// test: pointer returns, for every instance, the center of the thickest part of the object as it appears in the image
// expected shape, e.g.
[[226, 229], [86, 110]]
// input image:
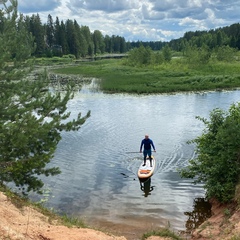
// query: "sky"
[[139, 20]]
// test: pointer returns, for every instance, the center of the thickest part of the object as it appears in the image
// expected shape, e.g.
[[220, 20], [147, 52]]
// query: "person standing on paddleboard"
[[147, 143]]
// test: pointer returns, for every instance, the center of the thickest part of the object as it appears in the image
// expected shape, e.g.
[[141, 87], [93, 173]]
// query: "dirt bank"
[[26, 223], [223, 225]]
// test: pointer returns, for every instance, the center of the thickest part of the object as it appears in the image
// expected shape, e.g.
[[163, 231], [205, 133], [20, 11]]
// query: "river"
[[98, 182]]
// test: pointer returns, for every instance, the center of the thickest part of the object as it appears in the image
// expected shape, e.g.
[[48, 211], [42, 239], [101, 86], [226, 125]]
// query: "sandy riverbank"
[[26, 223]]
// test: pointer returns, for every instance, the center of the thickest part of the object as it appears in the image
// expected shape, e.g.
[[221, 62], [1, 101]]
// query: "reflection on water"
[[201, 211], [146, 187], [99, 180]]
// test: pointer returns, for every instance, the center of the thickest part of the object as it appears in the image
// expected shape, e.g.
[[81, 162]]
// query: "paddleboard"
[[147, 170]]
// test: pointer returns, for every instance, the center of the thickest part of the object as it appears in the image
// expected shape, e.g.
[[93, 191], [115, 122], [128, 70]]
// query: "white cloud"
[[140, 19], [150, 14], [190, 22], [104, 5]]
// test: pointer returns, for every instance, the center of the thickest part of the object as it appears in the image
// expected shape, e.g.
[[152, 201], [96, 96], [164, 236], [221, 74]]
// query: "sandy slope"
[[223, 225], [28, 224]]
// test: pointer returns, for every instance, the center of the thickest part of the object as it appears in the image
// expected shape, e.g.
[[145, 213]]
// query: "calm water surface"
[[98, 182]]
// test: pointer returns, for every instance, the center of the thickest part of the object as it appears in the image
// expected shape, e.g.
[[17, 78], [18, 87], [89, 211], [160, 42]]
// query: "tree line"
[[197, 48], [58, 37], [225, 36]]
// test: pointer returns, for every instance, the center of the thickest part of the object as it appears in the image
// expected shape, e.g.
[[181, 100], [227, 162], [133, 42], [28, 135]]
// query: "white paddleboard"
[[147, 170]]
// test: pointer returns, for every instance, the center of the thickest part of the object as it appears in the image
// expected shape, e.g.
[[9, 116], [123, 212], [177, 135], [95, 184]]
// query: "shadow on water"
[[146, 187]]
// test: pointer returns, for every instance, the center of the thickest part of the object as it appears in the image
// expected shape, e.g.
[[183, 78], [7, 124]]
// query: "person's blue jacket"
[[147, 143]]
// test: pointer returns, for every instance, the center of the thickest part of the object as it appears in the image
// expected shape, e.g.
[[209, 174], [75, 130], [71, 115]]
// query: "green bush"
[[140, 56], [226, 54], [165, 232], [69, 56], [217, 164]]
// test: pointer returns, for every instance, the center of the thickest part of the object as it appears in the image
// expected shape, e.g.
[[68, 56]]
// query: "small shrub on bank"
[[165, 232]]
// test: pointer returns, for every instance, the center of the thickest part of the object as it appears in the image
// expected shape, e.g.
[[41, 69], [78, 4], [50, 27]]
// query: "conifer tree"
[[98, 40], [50, 31], [31, 117], [37, 30], [88, 36]]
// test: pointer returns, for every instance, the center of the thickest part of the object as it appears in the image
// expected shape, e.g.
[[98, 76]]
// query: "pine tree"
[[63, 38], [50, 31], [72, 39], [98, 40], [83, 46], [88, 36], [108, 44], [37, 30], [31, 117], [13, 53]]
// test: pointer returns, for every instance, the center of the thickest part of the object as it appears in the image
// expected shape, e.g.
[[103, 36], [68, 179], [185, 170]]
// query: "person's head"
[[146, 136]]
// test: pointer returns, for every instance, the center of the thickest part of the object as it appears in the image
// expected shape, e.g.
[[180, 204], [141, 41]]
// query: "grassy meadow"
[[176, 76]]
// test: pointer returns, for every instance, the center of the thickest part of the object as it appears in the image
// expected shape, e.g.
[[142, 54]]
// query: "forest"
[[58, 38]]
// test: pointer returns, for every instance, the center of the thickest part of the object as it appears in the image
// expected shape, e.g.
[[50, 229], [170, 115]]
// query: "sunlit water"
[[98, 182]]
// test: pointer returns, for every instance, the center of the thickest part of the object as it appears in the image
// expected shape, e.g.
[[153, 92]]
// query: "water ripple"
[[99, 176]]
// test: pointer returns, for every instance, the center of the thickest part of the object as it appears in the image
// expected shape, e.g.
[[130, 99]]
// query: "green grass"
[[54, 60], [72, 221], [235, 238], [176, 76], [165, 232]]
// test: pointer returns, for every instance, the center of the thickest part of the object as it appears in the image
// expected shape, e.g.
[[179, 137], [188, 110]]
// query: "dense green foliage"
[[146, 56], [192, 56], [140, 56], [217, 164], [226, 36], [31, 117], [10, 48], [56, 38]]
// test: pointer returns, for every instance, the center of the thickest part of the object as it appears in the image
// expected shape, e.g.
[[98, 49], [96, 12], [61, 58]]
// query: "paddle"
[[139, 152], [132, 152]]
